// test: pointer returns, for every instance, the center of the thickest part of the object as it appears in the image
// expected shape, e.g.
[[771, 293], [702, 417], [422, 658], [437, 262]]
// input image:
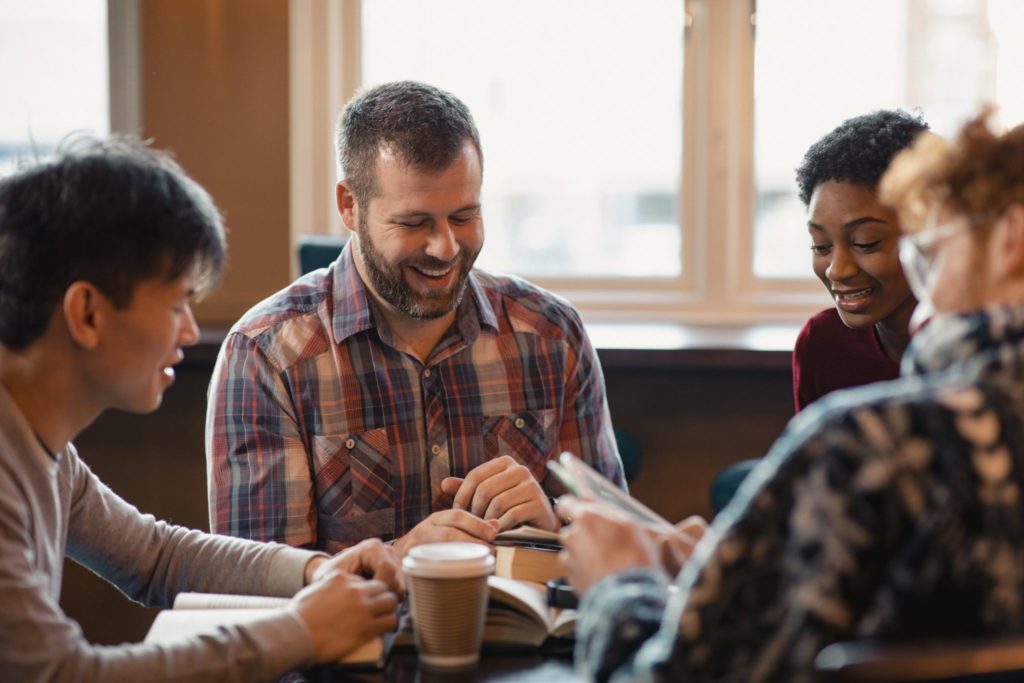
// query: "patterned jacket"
[[887, 511]]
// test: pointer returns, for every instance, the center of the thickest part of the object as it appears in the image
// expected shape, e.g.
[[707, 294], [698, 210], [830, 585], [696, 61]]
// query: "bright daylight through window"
[[53, 73], [579, 109], [841, 59]]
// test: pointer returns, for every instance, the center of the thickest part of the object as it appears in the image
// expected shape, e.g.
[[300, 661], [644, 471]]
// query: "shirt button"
[[426, 373], [435, 449], [350, 444], [520, 422]]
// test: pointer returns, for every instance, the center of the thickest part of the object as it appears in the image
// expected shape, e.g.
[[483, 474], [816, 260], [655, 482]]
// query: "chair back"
[[318, 251]]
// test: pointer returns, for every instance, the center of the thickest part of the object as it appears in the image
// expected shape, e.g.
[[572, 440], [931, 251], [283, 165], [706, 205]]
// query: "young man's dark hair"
[[111, 212], [424, 125], [859, 150]]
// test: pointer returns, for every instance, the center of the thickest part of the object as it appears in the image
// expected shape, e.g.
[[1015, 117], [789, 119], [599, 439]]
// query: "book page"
[[226, 601], [173, 626], [529, 598]]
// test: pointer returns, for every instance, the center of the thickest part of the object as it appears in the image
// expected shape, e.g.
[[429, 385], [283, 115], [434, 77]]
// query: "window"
[[53, 73], [640, 156], [941, 57], [579, 180]]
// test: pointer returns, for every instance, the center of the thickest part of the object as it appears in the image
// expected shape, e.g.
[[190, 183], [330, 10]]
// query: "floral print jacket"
[[889, 511]]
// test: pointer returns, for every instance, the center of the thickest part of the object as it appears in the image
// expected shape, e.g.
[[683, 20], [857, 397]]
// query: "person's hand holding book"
[[602, 540]]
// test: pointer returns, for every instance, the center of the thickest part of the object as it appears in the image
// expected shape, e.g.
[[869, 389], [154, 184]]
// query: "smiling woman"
[[855, 254]]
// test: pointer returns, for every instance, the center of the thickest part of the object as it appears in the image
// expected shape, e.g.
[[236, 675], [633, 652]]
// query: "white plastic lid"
[[449, 560]]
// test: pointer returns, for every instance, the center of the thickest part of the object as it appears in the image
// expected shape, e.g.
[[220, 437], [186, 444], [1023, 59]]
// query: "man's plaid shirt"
[[321, 433]]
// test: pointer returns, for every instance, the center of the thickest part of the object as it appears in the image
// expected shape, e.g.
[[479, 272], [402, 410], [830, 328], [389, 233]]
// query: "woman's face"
[[855, 247]]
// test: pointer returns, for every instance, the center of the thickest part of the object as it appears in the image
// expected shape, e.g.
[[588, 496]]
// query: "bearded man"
[[402, 393]]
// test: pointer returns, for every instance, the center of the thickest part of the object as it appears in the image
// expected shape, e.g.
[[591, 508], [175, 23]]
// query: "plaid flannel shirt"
[[320, 432]]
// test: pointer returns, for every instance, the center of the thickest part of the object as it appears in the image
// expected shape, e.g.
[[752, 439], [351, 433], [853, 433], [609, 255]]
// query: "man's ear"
[[82, 314], [348, 207]]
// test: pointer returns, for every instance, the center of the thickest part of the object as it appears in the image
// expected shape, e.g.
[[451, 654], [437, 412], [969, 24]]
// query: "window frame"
[[717, 284]]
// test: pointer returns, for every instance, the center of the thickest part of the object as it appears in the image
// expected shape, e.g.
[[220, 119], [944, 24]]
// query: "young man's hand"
[[504, 490], [343, 611], [448, 525], [369, 559]]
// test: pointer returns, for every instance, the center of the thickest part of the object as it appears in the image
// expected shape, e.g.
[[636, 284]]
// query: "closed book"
[[528, 554]]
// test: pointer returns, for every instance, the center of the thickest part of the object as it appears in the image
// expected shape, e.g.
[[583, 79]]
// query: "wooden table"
[[403, 666]]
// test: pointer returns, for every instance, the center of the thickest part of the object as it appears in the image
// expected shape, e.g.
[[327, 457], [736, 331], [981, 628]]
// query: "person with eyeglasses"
[[891, 511]]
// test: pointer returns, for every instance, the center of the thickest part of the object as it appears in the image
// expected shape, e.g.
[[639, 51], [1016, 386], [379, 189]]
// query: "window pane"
[[53, 74], [818, 63], [579, 109]]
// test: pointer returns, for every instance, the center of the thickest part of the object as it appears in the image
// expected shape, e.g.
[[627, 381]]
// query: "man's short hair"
[[858, 150], [424, 125], [113, 213]]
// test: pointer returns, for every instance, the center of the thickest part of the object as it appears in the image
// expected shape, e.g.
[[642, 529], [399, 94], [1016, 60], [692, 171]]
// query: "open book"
[[518, 615], [198, 613]]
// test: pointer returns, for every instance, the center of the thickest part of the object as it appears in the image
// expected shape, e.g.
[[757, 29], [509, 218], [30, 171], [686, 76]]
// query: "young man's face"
[[141, 344], [418, 238]]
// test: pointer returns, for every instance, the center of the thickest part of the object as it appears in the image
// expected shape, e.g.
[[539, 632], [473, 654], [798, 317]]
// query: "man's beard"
[[389, 279]]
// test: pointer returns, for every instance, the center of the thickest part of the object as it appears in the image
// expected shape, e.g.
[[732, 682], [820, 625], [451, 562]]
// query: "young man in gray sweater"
[[101, 250]]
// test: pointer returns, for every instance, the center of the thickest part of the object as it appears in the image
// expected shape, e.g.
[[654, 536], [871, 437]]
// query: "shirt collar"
[[354, 313]]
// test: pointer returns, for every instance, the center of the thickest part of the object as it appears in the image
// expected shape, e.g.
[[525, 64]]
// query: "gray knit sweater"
[[52, 506]]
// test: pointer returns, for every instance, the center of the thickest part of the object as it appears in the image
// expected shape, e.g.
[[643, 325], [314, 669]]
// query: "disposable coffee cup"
[[447, 585]]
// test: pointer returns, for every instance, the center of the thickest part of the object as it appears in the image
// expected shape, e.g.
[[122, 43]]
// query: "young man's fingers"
[[389, 573]]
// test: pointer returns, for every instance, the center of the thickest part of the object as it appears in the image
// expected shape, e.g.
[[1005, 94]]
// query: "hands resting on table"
[[365, 582]]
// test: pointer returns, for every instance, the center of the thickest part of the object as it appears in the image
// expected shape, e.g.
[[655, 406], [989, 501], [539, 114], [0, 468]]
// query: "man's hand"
[[342, 611], [504, 490], [448, 525], [600, 541], [369, 559]]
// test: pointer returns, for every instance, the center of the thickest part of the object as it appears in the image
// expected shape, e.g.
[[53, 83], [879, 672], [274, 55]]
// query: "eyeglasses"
[[919, 254]]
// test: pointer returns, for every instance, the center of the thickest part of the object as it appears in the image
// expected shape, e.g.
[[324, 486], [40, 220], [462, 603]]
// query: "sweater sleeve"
[[150, 561]]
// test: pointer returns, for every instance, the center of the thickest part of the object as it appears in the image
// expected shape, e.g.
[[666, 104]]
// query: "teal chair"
[[726, 482], [318, 251]]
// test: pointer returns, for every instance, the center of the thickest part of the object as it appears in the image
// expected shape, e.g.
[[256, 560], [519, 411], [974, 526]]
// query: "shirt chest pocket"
[[529, 436], [352, 473]]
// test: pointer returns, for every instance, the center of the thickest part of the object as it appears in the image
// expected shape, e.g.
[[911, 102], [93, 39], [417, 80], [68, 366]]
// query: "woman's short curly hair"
[[858, 150], [979, 174]]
